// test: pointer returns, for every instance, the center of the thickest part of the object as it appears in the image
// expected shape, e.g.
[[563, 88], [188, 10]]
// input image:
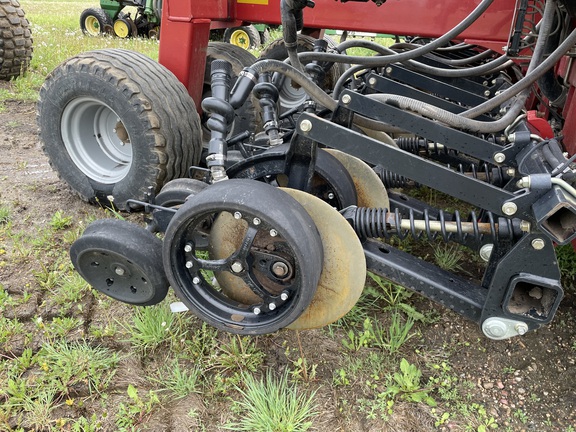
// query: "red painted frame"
[[185, 25]]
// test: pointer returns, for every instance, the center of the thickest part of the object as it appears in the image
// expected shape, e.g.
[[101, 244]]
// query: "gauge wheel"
[[122, 260], [15, 40], [276, 252], [108, 131], [245, 37], [94, 21]]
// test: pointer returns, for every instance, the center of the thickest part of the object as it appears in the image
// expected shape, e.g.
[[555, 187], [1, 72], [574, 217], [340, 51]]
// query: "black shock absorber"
[[221, 118], [381, 223]]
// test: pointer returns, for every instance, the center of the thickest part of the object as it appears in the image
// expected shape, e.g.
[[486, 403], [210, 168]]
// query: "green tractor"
[[123, 18], [131, 18]]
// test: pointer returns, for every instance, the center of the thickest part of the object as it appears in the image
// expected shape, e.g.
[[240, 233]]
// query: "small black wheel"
[[175, 192], [108, 131], [15, 40], [331, 181], [121, 260], [277, 253], [94, 21], [245, 37], [293, 96], [245, 117]]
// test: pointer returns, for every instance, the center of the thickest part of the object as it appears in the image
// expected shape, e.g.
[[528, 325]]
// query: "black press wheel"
[[108, 131], [331, 181], [245, 37], [94, 22], [277, 254], [121, 260], [175, 192], [15, 40], [245, 117]]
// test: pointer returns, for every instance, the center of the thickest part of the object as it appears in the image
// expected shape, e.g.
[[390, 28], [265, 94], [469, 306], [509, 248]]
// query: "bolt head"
[[346, 99], [237, 267], [196, 280], [272, 306], [521, 329], [486, 251], [257, 311], [280, 269], [511, 172], [273, 233], [188, 248], [189, 264], [525, 226], [237, 215], [388, 70], [538, 244], [119, 271], [284, 296], [256, 221], [372, 81], [509, 208], [499, 158], [305, 125], [487, 93]]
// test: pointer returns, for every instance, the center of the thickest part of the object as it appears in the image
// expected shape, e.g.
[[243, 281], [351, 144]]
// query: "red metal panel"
[[402, 17]]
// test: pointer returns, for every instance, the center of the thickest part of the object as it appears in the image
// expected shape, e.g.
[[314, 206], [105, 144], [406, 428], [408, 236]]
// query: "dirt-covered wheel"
[[245, 37], [293, 96], [276, 252], [15, 40], [94, 21], [175, 192], [121, 260], [245, 117], [108, 131], [124, 27]]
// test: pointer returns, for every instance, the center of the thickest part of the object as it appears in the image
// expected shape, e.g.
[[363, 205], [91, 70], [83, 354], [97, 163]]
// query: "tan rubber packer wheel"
[[369, 188], [344, 268]]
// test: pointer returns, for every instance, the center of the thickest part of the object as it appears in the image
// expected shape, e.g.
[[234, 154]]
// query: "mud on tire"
[[15, 40]]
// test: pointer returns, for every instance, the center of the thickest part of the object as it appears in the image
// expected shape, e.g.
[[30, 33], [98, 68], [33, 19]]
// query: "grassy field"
[[73, 360]]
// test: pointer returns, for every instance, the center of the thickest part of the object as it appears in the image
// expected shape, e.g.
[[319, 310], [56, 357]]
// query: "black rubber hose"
[[495, 65], [291, 15], [536, 68], [551, 88], [400, 57]]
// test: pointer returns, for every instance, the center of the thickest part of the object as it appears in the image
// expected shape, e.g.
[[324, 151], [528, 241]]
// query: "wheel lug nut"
[[119, 271], [189, 264], [196, 280], [272, 306], [257, 221], [256, 311], [273, 233], [237, 267], [188, 248], [284, 296], [237, 215]]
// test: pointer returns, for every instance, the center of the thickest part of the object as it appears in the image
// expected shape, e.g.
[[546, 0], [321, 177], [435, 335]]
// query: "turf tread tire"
[[103, 19], [15, 40], [166, 124]]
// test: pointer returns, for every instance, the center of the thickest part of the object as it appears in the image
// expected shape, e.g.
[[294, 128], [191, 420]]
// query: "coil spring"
[[490, 174], [380, 223]]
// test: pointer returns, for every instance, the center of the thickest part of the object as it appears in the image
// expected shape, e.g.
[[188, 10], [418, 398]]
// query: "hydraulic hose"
[[498, 64], [536, 68], [292, 21], [400, 57]]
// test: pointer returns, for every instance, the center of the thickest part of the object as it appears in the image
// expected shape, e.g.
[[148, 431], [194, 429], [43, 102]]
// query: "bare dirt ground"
[[527, 383]]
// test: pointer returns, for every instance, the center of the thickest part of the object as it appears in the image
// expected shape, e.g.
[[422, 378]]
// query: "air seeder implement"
[[275, 183]]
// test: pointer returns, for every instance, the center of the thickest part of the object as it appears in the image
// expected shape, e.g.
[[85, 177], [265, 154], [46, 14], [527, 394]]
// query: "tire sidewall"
[[64, 91]]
